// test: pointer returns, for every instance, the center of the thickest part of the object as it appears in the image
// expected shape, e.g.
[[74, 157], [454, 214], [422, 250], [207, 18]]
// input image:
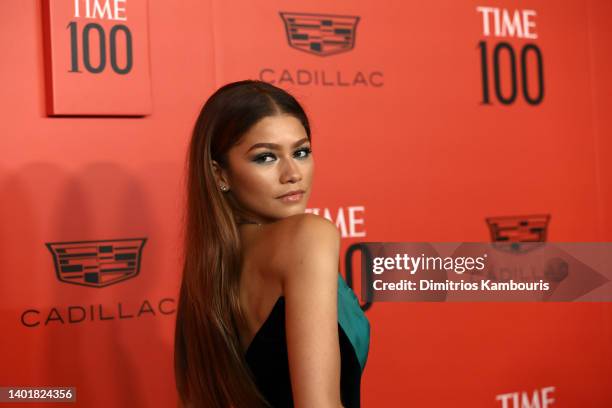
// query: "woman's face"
[[272, 159]]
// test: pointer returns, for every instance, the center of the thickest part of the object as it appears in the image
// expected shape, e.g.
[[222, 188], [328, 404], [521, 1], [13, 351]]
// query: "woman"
[[264, 317]]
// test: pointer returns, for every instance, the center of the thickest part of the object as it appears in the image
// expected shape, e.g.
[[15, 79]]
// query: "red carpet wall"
[[420, 131]]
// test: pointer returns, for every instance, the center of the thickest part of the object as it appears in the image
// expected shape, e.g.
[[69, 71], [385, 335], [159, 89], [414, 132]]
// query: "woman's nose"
[[290, 172]]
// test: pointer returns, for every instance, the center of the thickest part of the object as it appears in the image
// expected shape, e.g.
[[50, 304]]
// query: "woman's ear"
[[220, 176]]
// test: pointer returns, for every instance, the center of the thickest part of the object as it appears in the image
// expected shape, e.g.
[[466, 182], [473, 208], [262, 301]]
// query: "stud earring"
[[224, 187]]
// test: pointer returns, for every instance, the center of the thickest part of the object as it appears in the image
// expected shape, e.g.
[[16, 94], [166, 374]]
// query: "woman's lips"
[[292, 198]]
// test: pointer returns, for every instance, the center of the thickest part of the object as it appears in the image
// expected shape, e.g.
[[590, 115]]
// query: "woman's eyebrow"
[[274, 145]]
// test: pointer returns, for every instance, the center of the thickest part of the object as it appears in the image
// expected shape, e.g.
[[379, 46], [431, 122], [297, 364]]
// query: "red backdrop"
[[405, 149]]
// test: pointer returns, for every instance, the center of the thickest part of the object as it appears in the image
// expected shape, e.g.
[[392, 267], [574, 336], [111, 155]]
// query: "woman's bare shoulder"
[[305, 226], [298, 236]]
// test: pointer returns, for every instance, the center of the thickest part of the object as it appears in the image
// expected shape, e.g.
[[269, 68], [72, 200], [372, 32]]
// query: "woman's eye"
[[302, 153], [262, 158]]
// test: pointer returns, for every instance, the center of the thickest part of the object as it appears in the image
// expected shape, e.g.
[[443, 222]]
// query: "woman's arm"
[[310, 286]]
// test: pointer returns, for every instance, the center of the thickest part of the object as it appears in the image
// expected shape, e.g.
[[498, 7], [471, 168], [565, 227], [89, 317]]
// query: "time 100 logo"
[[503, 23], [81, 37]]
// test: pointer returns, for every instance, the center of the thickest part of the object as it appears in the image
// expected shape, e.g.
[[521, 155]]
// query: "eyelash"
[[261, 158]]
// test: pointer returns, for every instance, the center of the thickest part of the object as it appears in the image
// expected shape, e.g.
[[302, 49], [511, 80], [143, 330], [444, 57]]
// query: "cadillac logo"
[[518, 233], [320, 34], [97, 263]]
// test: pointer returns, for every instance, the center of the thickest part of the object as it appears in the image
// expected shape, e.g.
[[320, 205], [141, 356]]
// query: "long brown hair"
[[209, 365]]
